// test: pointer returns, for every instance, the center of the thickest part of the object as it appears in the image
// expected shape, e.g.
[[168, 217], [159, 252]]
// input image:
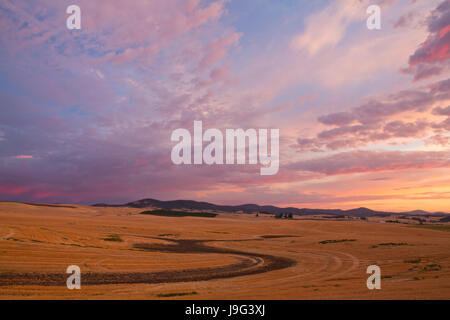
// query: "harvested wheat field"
[[127, 255]]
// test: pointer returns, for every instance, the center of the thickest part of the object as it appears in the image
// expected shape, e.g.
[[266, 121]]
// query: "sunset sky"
[[364, 115]]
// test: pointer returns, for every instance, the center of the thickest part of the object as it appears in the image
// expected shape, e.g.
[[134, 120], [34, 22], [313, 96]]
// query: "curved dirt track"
[[248, 263]]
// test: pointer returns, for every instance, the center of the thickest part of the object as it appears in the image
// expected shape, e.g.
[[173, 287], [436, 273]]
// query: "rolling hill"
[[252, 208]]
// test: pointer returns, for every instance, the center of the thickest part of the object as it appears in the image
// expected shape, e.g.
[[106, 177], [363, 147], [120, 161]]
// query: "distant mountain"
[[417, 212], [252, 208]]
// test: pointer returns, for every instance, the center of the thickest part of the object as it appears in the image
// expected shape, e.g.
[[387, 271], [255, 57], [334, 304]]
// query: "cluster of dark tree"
[[392, 221], [335, 217], [283, 216], [421, 221]]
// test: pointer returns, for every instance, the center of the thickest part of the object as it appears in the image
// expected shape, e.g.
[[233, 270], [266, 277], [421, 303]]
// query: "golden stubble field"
[[234, 256]]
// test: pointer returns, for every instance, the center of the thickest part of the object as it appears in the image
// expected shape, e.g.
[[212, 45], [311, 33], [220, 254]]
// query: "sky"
[[364, 115]]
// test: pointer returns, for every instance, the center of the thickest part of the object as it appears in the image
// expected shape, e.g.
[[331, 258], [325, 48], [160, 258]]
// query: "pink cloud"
[[115, 29], [405, 129], [376, 120], [442, 111], [432, 57], [14, 190], [339, 119], [363, 161], [217, 49]]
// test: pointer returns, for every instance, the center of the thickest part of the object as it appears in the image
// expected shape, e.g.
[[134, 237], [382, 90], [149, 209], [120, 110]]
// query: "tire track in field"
[[248, 263]]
